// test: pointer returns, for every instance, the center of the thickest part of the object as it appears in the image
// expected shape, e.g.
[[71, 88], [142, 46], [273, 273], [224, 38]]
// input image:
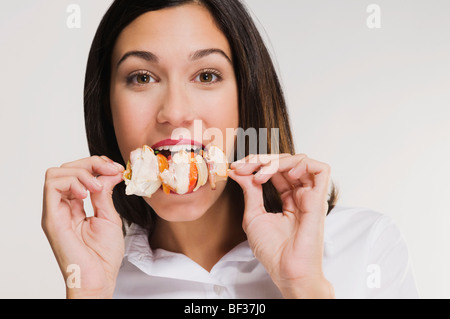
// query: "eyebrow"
[[150, 57], [203, 53], [145, 55]]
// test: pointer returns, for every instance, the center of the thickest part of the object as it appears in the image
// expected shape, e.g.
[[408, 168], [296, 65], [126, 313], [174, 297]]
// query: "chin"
[[185, 208]]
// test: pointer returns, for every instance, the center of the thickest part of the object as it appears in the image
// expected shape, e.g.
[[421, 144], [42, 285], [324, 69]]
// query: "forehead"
[[171, 32]]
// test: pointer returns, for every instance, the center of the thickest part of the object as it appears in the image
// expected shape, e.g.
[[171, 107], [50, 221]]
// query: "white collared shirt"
[[365, 256]]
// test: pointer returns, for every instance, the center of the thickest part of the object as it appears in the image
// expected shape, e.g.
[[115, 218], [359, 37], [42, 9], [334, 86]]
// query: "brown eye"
[[143, 79], [206, 77]]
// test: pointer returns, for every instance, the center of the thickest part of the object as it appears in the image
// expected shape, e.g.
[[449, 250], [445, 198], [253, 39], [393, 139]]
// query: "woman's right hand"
[[94, 246]]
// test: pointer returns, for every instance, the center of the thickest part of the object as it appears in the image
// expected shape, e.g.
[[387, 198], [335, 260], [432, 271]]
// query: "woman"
[[157, 66]]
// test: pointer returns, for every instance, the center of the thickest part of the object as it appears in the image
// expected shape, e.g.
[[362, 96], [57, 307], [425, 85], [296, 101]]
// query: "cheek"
[[132, 116], [219, 113], [224, 108]]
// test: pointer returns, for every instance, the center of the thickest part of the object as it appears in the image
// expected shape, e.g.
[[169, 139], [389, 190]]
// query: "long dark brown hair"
[[261, 100]]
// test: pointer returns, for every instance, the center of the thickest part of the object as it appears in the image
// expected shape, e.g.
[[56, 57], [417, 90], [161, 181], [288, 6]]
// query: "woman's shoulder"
[[366, 255], [346, 223], [354, 215]]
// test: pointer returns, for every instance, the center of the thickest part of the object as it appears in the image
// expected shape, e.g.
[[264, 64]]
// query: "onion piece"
[[142, 174], [202, 176], [217, 165]]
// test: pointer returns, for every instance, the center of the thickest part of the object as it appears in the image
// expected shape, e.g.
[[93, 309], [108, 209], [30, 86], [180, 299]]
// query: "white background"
[[373, 103]]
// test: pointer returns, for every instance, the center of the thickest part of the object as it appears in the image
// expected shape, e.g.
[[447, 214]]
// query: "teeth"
[[162, 148], [176, 148]]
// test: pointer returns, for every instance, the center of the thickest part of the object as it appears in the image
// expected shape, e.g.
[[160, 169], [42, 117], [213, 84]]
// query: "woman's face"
[[172, 67]]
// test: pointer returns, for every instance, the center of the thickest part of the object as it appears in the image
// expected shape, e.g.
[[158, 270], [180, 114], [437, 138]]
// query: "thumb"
[[102, 201], [253, 196]]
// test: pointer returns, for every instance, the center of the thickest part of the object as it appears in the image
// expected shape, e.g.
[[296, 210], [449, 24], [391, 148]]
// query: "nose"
[[175, 107]]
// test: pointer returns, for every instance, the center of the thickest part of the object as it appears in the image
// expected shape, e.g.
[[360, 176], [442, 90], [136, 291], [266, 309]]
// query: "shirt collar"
[[136, 244], [163, 263], [156, 262]]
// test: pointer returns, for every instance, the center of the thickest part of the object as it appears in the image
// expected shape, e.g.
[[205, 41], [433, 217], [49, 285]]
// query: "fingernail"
[[116, 166], [258, 174], [97, 183], [235, 165], [242, 162], [293, 171], [119, 166]]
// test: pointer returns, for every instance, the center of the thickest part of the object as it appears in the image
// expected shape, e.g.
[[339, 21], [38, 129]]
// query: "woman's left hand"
[[288, 244]]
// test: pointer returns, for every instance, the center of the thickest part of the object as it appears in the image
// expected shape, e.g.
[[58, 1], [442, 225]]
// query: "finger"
[[69, 187], [252, 163], [106, 158], [285, 187], [96, 165], [277, 166], [297, 172], [253, 197], [280, 181], [77, 210], [90, 181], [289, 204], [60, 191], [315, 176], [311, 173], [102, 201]]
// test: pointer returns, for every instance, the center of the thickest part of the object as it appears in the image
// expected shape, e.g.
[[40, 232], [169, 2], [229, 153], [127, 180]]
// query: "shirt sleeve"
[[389, 269]]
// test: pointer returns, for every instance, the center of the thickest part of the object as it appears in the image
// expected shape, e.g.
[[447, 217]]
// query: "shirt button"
[[218, 289]]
